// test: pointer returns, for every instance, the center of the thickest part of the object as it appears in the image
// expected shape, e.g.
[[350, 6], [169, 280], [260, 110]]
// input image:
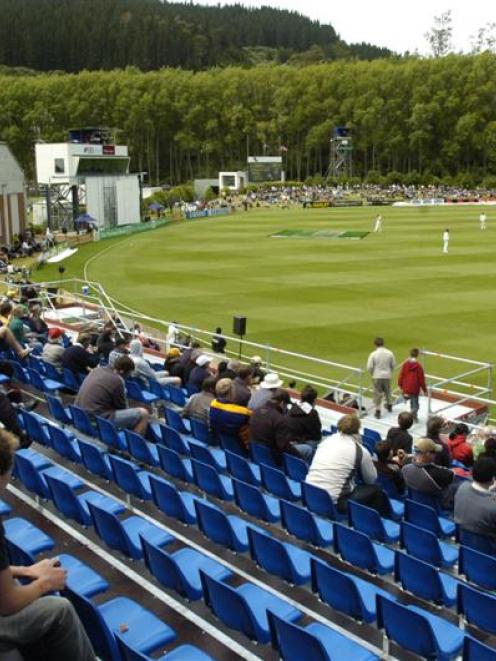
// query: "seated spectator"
[[434, 426], [103, 393], [40, 627], [424, 475], [241, 384], [266, 389], [399, 437], [121, 348], [460, 450], [218, 342], [16, 323], [338, 460], [230, 371], [188, 360], [9, 419], [475, 502], [269, 425], [8, 341], [258, 374], [226, 417], [303, 418], [143, 370], [388, 468], [172, 363], [198, 405], [105, 341], [79, 358], [54, 348], [37, 327], [5, 312], [199, 373], [489, 451]]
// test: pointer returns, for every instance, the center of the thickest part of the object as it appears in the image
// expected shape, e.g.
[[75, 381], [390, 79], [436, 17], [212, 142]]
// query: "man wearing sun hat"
[[424, 475], [266, 389], [54, 348]]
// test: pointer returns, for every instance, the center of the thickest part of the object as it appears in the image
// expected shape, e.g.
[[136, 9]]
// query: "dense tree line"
[[72, 35], [435, 117]]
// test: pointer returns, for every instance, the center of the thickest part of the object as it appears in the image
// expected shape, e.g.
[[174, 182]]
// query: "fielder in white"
[[482, 221], [446, 238], [378, 223]]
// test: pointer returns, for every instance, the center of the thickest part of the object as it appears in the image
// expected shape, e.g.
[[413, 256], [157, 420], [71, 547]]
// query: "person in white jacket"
[[446, 238], [381, 364]]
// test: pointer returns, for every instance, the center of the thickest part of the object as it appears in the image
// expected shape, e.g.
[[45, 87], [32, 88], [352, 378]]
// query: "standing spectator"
[[411, 380], [103, 393], [265, 390], [435, 424], [228, 418], [241, 385], [78, 358], [399, 437], [303, 418], [40, 627], [380, 364], [198, 405], [54, 349], [218, 342], [475, 502], [424, 475], [459, 449], [339, 460]]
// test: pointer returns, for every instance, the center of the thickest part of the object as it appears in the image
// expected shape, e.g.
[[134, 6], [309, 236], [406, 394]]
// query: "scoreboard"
[[264, 168]]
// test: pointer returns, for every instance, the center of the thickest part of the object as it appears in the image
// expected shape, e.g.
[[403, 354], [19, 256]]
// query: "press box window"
[[59, 166]]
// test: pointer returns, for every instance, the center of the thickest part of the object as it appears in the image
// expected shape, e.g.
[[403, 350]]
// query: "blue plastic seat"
[[173, 464], [474, 650], [262, 454], [478, 608], [427, 517], [51, 372], [318, 500], [144, 630], [231, 444], [42, 383], [174, 419], [315, 642], [27, 536], [476, 541], [64, 443], [180, 570], [180, 653], [173, 440], [110, 435], [424, 545], [70, 380], [306, 526], [58, 410], [294, 467], [372, 434], [200, 431], [426, 499], [242, 469], [356, 548], [277, 483], [207, 478], [82, 577], [214, 457], [134, 391], [252, 501], [141, 449], [245, 607], [478, 567], [225, 529], [418, 630], [82, 421], [34, 479], [174, 503], [156, 388], [35, 458], [5, 508], [36, 427], [95, 460], [279, 558], [425, 580], [177, 396], [124, 535], [367, 520], [130, 478], [344, 592], [388, 485], [75, 506]]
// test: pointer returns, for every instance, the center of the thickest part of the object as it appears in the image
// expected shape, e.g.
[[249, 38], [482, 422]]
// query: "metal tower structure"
[[341, 161]]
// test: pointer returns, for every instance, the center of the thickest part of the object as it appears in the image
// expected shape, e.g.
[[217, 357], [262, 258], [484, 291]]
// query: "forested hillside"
[[435, 116], [71, 35]]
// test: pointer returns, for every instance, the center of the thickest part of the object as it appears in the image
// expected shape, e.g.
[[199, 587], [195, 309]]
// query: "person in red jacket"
[[411, 380], [459, 448]]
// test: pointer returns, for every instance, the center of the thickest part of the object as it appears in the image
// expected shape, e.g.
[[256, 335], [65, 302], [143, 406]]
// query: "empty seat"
[[245, 607], [207, 478], [173, 418], [175, 465], [109, 434], [82, 577], [180, 570], [36, 427], [478, 567], [242, 469], [367, 520], [214, 457], [124, 535], [425, 580], [130, 478], [262, 454], [82, 421], [276, 482], [42, 383], [141, 449], [356, 548], [424, 545], [177, 397], [173, 440], [35, 479], [344, 592], [306, 526], [4, 508], [139, 394], [427, 517], [58, 410], [225, 529], [180, 653], [317, 500], [232, 444], [252, 501], [64, 443], [174, 503], [478, 608], [294, 467], [279, 558], [27, 536], [200, 431], [95, 460], [474, 650], [315, 641], [70, 380], [418, 630], [425, 499]]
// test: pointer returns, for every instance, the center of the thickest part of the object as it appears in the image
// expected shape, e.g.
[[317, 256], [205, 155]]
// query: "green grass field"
[[322, 296]]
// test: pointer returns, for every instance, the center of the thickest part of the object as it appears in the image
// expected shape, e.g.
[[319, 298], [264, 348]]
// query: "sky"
[[396, 24]]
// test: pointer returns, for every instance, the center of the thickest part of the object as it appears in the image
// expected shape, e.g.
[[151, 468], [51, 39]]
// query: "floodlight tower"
[[341, 162]]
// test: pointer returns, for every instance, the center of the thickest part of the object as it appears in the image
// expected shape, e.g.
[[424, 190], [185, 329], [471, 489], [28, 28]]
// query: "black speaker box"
[[239, 325]]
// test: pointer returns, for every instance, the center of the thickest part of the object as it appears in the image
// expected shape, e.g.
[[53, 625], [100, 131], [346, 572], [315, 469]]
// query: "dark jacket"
[[242, 393], [102, 393], [304, 425], [400, 440], [197, 376], [268, 425], [77, 359]]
